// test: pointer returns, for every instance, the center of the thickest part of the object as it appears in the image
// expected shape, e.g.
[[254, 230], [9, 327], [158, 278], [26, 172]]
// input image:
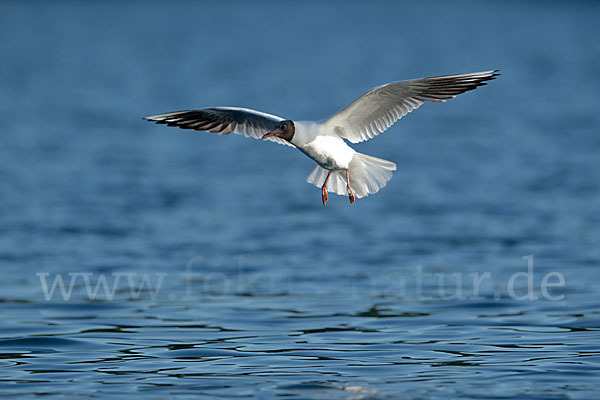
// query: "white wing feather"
[[379, 108]]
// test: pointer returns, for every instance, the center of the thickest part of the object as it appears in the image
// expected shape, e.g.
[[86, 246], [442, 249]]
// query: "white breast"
[[330, 152]]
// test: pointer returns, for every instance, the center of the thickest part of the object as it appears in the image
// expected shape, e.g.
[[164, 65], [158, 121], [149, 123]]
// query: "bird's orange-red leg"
[[350, 192], [324, 190]]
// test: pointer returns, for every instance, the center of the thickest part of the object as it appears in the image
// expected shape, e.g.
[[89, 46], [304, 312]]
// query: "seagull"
[[340, 169]]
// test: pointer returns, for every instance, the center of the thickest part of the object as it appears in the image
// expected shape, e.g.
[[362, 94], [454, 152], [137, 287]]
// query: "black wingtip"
[[483, 81], [154, 119]]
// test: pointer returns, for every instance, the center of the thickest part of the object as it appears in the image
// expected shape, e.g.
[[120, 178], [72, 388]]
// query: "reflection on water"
[[194, 265]]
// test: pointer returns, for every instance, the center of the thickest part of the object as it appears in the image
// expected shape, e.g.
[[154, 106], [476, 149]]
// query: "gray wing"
[[224, 120], [379, 108]]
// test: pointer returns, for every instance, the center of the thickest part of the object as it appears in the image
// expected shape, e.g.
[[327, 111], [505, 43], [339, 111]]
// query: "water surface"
[[256, 289]]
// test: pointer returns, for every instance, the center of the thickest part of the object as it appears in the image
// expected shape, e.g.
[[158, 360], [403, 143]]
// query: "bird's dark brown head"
[[284, 130]]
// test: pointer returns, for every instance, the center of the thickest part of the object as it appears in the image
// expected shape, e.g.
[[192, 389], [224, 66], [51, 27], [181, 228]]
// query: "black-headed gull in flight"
[[339, 168]]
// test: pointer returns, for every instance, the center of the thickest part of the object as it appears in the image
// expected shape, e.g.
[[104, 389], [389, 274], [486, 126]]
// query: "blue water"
[[225, 276]]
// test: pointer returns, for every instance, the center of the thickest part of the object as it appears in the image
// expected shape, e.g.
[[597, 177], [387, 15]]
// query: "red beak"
[[268, 135]]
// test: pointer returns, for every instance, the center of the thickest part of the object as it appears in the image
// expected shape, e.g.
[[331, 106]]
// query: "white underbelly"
[[329, 152]]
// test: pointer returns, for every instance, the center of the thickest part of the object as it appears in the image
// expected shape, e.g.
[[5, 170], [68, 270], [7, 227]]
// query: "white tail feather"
[[335, 184], [367, 176]]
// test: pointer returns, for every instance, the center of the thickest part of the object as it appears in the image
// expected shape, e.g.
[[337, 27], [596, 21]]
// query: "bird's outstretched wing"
[[224, 120], [379, 108]]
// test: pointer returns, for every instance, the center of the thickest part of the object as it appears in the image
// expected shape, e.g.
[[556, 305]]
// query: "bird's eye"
[[282, 127]]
